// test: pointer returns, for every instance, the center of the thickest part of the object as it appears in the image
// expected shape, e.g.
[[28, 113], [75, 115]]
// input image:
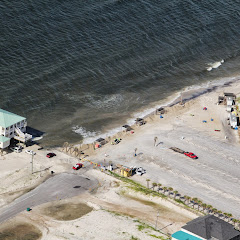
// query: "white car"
[[140, 171], [31, 152], [16, 149]]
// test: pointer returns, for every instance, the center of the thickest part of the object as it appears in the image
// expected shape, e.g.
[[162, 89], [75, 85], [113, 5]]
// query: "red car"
[[50, 155], [77, 166], [191, 155]]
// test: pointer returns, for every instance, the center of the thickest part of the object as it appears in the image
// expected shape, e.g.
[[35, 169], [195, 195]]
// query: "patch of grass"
[[134, 238], [141, 226], [119, 214], [158, 237], [148, 203], [179, 201], [114, 213], [66, 212], [22, 231], [137, 187]]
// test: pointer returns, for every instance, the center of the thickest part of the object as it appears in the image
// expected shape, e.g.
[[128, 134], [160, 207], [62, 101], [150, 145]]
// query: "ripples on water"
[[90, 64]]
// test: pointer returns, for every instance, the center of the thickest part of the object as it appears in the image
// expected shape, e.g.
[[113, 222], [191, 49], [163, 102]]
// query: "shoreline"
[[188, 94]]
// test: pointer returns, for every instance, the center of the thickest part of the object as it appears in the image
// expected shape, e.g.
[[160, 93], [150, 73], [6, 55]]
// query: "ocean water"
[[79, 69]]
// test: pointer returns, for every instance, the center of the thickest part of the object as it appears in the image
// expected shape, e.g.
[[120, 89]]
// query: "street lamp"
[[32, 162]]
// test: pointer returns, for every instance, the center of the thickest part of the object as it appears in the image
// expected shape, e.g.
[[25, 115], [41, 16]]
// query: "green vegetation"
[[141, 226], [67, 211], [134, 238], [137, 187], [179, 201], [21, 231], [158, 237]]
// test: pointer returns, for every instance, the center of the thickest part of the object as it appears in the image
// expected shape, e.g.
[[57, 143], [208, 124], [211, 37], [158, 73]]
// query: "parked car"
[[191, 155], [31, 152], [77, 166], [50, 155], [140, 171], [16, 149]]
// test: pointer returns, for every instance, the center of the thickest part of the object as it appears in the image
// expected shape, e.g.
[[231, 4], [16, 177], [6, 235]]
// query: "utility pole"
[[32, 163], [135, 152], [157, 220]]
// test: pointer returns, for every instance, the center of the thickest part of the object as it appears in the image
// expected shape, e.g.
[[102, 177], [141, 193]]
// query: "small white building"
[[12, 126]]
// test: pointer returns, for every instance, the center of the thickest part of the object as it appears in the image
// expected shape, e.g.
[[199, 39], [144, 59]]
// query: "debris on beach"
[[204, 121], [205, 108]]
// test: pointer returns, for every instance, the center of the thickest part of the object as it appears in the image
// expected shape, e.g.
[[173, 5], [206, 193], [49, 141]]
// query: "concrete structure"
[[12, 126], [205, 228]]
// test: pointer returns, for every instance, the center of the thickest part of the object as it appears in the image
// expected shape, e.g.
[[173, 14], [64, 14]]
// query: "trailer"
[[175, 149], [188, 154]]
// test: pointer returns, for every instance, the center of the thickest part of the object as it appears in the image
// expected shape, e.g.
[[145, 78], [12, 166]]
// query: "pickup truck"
[[188, 154]]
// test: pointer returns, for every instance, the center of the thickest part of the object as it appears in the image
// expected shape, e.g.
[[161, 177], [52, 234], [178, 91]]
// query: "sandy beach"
[[213, 177]]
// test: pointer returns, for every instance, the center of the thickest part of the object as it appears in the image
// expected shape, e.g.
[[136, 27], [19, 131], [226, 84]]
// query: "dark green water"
[[80, 68]]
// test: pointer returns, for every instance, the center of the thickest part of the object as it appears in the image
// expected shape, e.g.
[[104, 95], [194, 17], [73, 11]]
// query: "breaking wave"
[[214, 65]]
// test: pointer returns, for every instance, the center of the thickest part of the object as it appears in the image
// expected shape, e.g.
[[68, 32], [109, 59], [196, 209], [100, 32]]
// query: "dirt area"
[[21, 231], [67, 211]]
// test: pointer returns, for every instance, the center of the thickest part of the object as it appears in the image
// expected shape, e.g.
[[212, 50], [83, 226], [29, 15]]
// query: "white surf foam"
[[36, 138], [90, 137], [104, 102], [81, 130], [214, 65]]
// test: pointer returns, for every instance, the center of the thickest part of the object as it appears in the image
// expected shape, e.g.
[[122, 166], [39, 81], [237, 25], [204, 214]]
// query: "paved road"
[[64, 185]]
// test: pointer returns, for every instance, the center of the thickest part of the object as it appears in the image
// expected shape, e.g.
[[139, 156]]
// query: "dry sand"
[[115, 215], [213, 177]]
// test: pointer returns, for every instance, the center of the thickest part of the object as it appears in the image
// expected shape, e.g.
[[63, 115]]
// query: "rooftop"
[[212, 227], [7, 118]]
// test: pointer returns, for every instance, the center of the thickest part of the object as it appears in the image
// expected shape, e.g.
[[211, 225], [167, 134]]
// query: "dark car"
[[50, 155]]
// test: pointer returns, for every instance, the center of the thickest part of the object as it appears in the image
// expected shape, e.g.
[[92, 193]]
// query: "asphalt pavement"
[[60, 186]]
